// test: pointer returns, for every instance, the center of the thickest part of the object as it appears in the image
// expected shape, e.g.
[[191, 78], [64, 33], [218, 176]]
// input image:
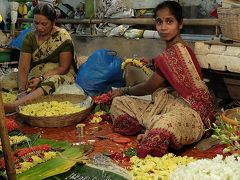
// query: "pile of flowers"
[[99, 116], [123, 156], [9, 97], [228, 134], [208, 169], [101, 110], [14, 140], [156, 167], [104, 98], [27, 158], [11, 125], [136, 63], [51, 108]]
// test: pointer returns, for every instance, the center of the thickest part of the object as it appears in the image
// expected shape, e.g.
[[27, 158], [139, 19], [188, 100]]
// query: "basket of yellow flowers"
[[56, 110]]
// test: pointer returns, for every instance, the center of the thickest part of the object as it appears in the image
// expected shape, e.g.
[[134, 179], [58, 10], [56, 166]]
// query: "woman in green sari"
[[46, 59]]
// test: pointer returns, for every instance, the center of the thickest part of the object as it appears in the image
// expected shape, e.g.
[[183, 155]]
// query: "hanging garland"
[[136, 63]]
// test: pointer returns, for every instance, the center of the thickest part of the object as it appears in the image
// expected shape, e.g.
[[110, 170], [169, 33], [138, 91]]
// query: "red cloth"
[[126, 125], [178, 64], [156, 143]]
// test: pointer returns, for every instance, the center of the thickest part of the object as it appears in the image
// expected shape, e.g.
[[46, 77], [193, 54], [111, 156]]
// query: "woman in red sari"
[[172, 117]]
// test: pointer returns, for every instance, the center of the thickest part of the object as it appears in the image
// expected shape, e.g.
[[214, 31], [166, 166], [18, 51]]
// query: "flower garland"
[[156, 167], [14, 140], [208, 169], [136, 63], [27, 158], [11, 125]]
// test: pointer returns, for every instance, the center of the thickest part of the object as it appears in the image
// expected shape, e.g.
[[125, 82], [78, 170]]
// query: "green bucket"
[[8, 54]]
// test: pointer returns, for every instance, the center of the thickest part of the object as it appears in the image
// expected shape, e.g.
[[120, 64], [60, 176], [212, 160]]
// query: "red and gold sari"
[[171, 119]]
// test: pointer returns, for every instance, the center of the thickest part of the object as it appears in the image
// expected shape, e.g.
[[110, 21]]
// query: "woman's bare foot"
[[140, 137]]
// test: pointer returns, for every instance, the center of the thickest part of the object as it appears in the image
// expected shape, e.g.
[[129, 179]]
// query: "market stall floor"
[[95, 134]]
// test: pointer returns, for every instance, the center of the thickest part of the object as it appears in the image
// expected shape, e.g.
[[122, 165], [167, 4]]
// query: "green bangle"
[[126, 90]]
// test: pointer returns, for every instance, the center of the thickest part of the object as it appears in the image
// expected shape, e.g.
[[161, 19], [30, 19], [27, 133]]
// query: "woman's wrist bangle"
[[22, 92], [126, 90], [41, 78]]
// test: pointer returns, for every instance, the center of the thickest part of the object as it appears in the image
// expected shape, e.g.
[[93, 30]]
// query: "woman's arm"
[[65, 63], [23, 70], [148, 87]]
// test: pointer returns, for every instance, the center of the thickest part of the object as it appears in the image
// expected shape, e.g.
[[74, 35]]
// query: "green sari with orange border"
[[46, 56]]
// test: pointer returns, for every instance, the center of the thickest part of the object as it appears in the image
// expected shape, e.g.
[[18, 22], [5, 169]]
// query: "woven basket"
[[58, 121], [229, 19]]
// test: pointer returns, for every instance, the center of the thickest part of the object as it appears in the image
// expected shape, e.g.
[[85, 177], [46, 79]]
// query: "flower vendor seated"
[[175, 116], [46, 58]]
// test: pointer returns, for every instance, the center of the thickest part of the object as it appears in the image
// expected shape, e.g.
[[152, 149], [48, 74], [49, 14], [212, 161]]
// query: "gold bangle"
[[41, 78]]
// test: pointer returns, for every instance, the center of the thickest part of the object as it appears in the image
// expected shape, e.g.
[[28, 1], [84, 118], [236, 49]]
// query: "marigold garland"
[[136, 63], [27, 158]]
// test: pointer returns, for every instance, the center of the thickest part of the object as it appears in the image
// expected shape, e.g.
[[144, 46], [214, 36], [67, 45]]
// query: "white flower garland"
[[209, 169]]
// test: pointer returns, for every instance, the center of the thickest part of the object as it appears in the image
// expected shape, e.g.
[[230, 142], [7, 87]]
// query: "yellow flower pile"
[[9, 97], [48, 109], [151, 168], [136, 63], [97, 117], [14, 140]]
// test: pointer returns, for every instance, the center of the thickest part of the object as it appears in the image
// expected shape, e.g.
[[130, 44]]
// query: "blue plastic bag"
[[100, 72], [17, 42]]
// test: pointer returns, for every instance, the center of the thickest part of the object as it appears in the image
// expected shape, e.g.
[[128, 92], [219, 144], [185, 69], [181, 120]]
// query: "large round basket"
[[231, 116], [229, 19], [59, 121]]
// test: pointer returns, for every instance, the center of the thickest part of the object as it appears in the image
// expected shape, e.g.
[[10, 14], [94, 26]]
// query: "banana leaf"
[[67, 165], [87, 173], [60, 164]]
